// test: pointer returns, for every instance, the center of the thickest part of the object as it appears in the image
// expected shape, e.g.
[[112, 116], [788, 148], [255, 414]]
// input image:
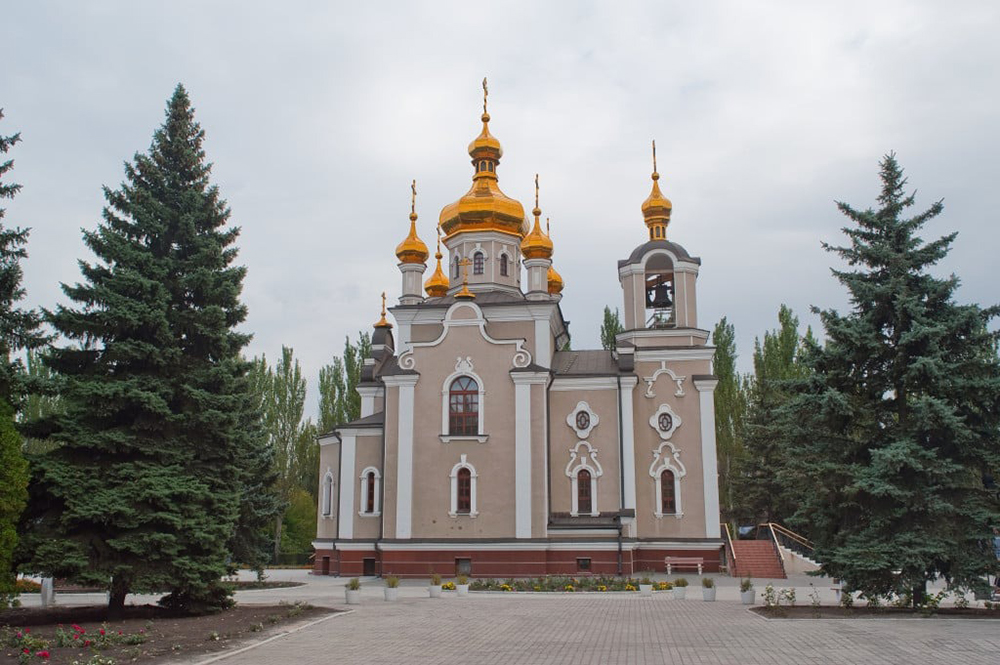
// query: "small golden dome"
[[484, 207], [383, 322], [656, 208], [412, 249], [437, 285], [536, 245], [555, 281]]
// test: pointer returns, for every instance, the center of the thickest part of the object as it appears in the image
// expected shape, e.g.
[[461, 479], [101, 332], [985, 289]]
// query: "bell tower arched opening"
[[660, 293]]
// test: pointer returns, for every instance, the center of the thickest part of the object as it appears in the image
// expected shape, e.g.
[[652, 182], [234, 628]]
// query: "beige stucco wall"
[[603, 438], [329, 459], [368, 454], [686, 438]]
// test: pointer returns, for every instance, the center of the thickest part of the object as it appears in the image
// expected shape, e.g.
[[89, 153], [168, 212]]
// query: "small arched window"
[[584, 501], [464, 504], [454, 267], [503, 265], [668, 501], [478, 262], [463, 407]]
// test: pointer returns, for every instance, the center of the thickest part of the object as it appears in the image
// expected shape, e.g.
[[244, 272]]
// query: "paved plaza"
[[486, 628]]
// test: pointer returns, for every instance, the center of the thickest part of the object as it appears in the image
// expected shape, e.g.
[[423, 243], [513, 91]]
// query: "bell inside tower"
[[660, 302]]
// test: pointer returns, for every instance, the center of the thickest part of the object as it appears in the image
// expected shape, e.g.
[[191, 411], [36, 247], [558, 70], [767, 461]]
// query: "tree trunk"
[[278, 520], [116, 598], [919, 594]]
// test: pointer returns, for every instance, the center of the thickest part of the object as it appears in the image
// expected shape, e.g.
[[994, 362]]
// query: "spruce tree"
[[13, 496], [898, 425], [142, 491], [19, 328]]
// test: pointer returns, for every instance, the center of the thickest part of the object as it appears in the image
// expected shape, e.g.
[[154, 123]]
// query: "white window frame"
[[326, 495], [473, 479], [377, 504], [463, 367], [579, 460], [660, 463]]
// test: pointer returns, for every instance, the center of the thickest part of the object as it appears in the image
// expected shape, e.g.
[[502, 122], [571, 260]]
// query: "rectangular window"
[[463, 566], [464, 491], [583, 563]]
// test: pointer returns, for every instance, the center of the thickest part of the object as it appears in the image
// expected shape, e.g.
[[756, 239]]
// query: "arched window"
[[464, 505], [478, 261], [668, 500], [454, 267], [371, 497], [503, 265], [463, 407], [463, 489], [583, 500], [326, 496]]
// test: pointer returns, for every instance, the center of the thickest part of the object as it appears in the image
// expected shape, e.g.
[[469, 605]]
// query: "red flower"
[[25, 651], [76, 636], [42, 654], [102, 631]]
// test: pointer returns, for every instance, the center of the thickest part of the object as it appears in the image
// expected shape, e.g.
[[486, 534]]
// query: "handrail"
[[791, 535], [777, 545], [730, 551]]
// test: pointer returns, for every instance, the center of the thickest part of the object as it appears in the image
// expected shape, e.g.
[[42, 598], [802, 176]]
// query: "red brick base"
[[501, 563]]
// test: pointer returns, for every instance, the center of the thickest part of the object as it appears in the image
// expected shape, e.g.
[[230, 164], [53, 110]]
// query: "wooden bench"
[[684, 562]]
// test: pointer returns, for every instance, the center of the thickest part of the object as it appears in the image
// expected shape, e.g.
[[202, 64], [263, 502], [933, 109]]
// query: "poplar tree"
[[611, 325], [730, 412], [141, 492], [899, 423]]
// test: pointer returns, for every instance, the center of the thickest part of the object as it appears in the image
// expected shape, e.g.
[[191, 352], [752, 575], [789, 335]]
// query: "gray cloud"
[[319, 114]]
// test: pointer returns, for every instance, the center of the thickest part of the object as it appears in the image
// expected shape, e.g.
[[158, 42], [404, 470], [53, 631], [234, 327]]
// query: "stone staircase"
[[757, 558]]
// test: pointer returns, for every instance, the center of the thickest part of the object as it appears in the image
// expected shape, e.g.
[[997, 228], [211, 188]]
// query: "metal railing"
[[786, 538], [730, 551]]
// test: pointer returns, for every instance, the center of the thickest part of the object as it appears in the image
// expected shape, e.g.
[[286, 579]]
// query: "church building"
[[484, 448]]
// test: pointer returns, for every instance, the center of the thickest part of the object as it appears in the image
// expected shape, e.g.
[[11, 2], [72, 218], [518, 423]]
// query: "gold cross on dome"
[[486, 94], [465, 292]]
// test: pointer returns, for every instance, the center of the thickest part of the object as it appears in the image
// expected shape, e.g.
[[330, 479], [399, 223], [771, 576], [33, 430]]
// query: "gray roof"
[[584, 363], [673, 247], [391, 368]]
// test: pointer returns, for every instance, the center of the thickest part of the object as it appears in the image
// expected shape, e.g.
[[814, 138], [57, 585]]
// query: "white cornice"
[[659, 355], [569, 384], [397, 380]]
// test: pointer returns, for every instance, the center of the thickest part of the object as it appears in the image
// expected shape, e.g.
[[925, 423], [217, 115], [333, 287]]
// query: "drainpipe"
[[381, 499], [621, 473]]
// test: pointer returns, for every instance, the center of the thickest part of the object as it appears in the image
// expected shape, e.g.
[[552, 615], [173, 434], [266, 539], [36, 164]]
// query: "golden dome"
[[412, 249], [437, 285], [383, 322], [555, 281], [656, 208], [484, 207], [536, 245]]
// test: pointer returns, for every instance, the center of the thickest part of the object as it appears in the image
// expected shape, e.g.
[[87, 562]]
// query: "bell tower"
[[658, 279]]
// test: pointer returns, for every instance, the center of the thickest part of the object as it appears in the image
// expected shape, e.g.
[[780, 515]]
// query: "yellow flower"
[[601, 587], [569, 587]]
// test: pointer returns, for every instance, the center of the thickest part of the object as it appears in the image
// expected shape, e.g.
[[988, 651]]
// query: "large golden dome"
[[656, 208], [484, 207]]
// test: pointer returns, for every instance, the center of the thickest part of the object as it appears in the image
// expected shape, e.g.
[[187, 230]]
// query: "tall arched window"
[[326, 497], [370, 499], [668, 501], [464, 505], [463, 407], [584, 502], [454, 267], [478, 261], [503, 265]]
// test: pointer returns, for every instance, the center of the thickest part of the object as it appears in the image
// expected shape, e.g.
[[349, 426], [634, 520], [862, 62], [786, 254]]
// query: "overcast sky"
[[318, 115]]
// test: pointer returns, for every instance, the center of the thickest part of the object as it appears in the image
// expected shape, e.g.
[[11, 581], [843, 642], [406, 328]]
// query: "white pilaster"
[[404, 458], [522, 449], [412, 283], [628, 441], [368, 395], [348, 449], [709, 461], [543, 342], [538, 278]]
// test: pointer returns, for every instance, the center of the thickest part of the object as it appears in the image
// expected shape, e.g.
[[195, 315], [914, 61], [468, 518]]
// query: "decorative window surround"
[[582, 415], [364, 493], [666, 413], [463, 367], [326, 495], [664, 459], [463, 464], [650, 380], [520, 359], [583, 459]]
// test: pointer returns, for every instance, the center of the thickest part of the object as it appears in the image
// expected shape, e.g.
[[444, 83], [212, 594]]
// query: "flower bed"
[[564, 584]]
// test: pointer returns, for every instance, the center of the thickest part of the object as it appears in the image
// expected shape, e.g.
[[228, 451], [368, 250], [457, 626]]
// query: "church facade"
[[484, 448]]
